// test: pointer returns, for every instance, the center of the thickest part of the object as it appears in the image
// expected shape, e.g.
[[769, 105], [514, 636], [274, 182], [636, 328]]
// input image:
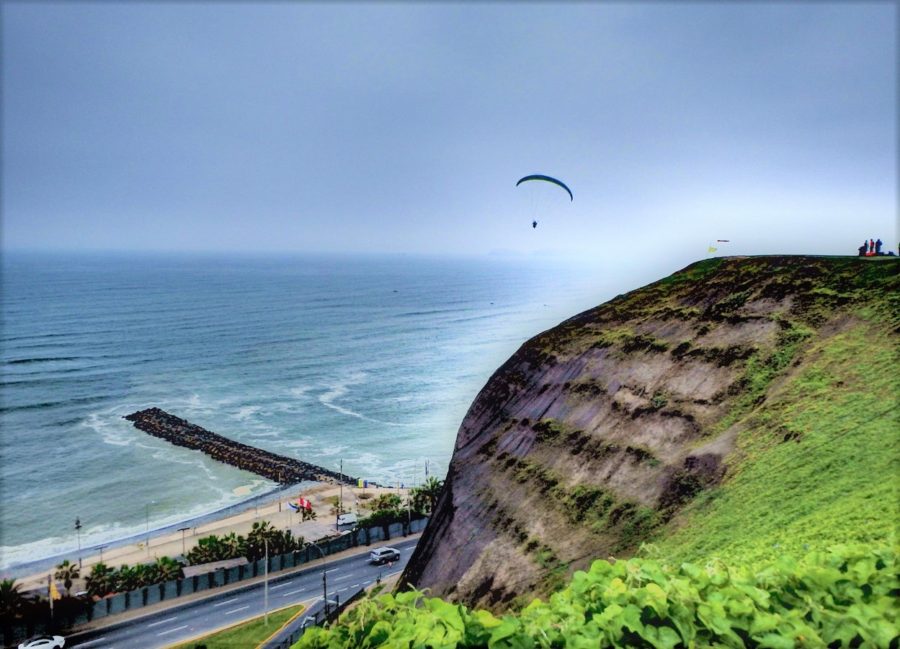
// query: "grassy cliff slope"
[[733, 426], [739, 407]]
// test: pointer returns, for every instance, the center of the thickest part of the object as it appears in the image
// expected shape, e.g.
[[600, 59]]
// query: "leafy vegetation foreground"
[[845, 597]]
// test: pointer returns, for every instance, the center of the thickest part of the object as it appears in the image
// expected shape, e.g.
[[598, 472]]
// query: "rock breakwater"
[[280, 468]]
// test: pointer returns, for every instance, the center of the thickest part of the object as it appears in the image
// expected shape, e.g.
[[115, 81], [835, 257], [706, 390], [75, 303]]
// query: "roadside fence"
[[121, 602]]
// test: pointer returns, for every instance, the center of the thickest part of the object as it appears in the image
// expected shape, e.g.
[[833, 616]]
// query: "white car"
[[44, 642], [383, 555]]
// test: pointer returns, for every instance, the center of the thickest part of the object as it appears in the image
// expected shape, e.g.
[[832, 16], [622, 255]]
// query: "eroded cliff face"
[[599, 430]]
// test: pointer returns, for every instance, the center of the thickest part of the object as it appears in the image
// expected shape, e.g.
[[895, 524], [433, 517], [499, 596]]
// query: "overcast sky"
[[404, 127]]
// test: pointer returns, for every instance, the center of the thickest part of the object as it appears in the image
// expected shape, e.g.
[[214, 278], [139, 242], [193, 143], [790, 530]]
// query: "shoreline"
[[222, 513], [170, 541]]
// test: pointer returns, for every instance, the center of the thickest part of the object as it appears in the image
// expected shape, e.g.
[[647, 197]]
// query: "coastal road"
[[181, 623]]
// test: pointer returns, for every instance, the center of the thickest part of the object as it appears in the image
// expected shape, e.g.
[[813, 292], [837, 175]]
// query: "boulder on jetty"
[[280, 468]]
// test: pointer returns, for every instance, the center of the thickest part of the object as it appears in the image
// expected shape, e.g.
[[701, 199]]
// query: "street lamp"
[[409, 509], [340, 507], [101, 552], [266, 587], [183, 530], [147, 519], [78, 536], [324, 578]]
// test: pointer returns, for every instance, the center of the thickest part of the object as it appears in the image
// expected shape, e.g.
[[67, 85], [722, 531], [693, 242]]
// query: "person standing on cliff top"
[[871, 246], [878, 245]]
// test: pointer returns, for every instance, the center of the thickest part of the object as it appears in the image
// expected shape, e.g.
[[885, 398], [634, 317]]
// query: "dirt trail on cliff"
[[604, 431]]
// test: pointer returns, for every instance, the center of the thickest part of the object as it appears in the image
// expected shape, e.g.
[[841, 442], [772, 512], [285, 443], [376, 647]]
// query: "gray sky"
[[404, 127]]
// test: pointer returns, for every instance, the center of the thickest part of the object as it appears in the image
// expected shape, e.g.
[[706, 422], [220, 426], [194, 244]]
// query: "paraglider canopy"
[[548, 179]]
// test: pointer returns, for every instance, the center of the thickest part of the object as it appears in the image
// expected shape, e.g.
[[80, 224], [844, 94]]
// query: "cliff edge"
[[598, 434]]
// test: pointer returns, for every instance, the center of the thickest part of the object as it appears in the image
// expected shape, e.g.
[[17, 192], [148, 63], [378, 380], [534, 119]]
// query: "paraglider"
[[546, 179]]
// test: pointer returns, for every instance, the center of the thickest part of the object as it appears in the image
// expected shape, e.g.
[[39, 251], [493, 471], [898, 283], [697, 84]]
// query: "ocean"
[[368, 360]]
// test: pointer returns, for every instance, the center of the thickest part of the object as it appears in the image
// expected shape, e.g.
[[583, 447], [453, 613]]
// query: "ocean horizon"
[[370, 360]]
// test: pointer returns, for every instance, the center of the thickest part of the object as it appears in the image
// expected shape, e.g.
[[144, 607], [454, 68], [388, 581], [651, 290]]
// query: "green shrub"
[[843, 598]]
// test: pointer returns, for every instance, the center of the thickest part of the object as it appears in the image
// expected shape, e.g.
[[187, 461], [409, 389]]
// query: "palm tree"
[[208, 549], [255, 546], [127, 578], [282, 542], [431, 490], [386, 502], [68, 572], [168, 569], [232, 546], [12, 602], [146, 574], [101, 580]]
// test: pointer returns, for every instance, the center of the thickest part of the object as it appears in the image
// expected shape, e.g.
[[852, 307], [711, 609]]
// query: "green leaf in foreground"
[[841, 597]]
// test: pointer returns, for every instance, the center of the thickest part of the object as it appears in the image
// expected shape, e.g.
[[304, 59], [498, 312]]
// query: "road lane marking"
[[90, 642], [293, 592], [287, 583], [177, 628], [227, 601], [354, 586], [333, 570], [170, 619], [341, 590], [344, 577], [235, 610]]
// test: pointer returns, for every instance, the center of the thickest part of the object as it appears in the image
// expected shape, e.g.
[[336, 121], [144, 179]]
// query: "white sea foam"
[[369, 466], [93, 536], [263, 433], [297, 443], [247, 412], [300, 391], [340, 389], [332, 451], [114, 430], [169, 455]]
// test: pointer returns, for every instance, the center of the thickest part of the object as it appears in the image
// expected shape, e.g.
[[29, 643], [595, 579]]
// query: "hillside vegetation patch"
[[843, 597]]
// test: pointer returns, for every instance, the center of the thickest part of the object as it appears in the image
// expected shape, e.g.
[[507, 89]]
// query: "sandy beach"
[[277, 512]]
